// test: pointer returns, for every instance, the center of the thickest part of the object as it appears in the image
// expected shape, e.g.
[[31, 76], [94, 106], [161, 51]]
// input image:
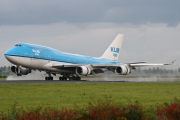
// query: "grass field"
[[2, 78], [68, 94]]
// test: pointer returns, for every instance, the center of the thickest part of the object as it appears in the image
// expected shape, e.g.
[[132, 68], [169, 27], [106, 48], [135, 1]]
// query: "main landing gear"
[[69, 78], [63, 77], [49, 78], [66, 77]]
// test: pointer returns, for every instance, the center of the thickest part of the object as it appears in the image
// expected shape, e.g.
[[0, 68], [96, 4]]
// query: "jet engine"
[[20, 70], [83, 70], [123, 69], [13, 69], [25, 71]]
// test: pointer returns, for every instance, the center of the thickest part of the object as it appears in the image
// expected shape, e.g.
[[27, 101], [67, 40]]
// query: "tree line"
[[5, 71]]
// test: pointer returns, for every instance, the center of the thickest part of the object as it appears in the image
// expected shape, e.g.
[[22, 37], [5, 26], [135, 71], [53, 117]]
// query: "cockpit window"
[[18, 45]]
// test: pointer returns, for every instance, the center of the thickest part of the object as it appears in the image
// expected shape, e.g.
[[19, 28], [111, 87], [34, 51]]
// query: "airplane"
[[27, 57]]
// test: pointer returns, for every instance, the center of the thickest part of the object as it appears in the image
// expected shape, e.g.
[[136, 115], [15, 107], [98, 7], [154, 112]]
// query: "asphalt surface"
[[44, 81]]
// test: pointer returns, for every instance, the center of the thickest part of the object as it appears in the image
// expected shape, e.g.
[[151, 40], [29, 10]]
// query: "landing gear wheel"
[[19, 74], [62, 78], [77, 78], [49, 78], [71, 78]]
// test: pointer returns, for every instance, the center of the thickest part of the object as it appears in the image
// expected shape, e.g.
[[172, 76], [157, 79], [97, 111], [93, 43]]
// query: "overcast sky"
[[151, 27]]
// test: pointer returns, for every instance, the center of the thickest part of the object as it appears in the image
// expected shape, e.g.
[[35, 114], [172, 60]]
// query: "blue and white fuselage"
[[40, 57], [27, 57]]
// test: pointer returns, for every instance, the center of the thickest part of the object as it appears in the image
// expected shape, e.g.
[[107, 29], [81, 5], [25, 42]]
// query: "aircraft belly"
[[14, 59], [47, 65], [36, 64], [25, 62]]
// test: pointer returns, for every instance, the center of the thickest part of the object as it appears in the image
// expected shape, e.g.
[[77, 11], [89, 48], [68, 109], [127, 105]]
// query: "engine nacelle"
[[123, 69], [20, 71], [83, 70], [13, 69], [25, 71]]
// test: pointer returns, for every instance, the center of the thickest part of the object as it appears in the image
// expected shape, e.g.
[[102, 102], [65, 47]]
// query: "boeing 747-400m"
[[27, 57]]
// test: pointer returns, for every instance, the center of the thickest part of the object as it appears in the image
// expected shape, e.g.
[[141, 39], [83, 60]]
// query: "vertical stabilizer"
[[114, 49]]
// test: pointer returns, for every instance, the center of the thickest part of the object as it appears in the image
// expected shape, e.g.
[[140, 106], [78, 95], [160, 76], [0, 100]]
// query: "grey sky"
[[18, 12], [87, 27]]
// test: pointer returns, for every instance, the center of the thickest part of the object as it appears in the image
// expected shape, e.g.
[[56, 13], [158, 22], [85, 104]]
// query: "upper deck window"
[[18, 45]]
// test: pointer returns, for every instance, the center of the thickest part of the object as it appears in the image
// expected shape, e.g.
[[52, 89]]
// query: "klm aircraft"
[[27, 57]]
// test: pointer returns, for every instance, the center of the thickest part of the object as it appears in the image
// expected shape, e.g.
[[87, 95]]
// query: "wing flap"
[[58, 65]]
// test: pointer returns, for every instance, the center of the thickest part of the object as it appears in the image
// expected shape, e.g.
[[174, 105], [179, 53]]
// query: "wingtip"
[[171, 62]]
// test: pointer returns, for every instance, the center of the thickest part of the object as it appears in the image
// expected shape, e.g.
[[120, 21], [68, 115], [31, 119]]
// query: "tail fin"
[[113, 50]]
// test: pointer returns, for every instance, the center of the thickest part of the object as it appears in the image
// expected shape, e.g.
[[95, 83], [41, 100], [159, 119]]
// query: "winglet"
[[171, 62]]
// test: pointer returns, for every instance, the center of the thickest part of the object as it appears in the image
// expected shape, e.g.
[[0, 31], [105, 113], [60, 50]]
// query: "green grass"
[[69, 93], [2, 78]]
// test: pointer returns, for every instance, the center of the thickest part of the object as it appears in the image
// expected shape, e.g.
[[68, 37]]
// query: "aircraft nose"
[[9, 55], [8, 52], [6, 56]]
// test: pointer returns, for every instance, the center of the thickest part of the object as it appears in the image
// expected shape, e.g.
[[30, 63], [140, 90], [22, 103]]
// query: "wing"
[[59, 65], [143, 64], [117, 68]]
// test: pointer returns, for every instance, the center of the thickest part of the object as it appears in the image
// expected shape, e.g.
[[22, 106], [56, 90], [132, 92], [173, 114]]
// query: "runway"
[[54, 81], [101, 79]]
